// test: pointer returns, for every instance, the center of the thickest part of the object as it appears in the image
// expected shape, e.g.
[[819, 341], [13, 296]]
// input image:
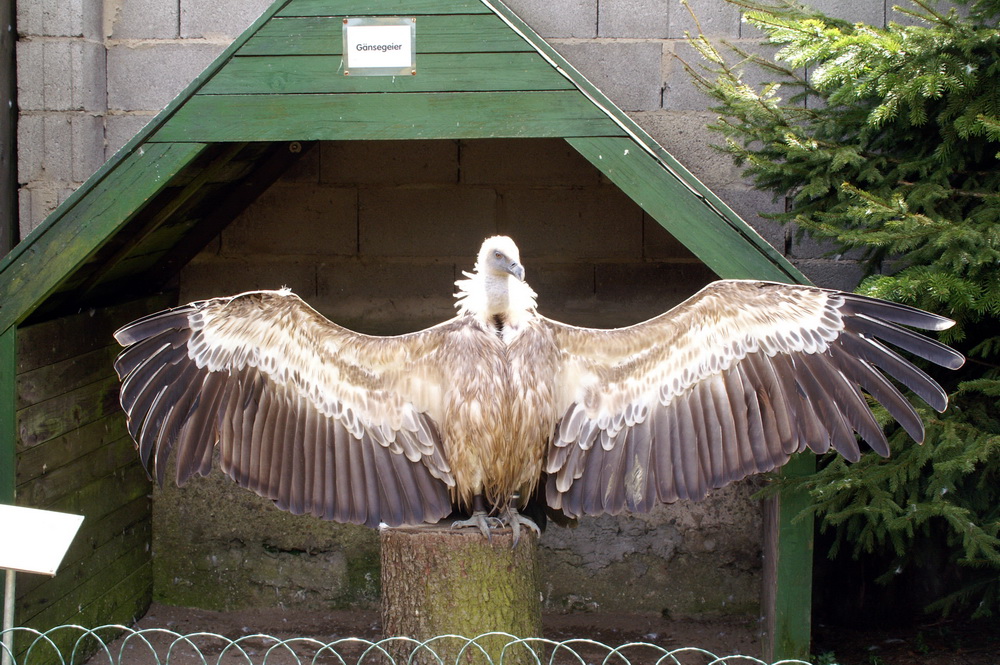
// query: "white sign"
[[379, 47], [35, 541]]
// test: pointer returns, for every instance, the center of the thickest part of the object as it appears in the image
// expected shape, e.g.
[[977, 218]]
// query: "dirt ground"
[[944, 643]]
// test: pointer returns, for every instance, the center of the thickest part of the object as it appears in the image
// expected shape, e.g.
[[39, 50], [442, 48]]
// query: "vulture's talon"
[[515, 521], [480, 520]]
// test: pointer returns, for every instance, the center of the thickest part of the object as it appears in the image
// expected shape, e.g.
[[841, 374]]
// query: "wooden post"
[[8, 464], [786, 598], [8, 416], [440, 581]]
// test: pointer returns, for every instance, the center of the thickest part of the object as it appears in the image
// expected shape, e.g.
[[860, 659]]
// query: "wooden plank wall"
[[74, 455]]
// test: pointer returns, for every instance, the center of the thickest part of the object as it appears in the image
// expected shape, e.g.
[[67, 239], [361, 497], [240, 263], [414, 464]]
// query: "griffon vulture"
[[477, 411]]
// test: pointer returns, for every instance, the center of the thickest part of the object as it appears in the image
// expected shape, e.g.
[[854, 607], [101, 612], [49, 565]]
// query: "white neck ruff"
[[472, 298]]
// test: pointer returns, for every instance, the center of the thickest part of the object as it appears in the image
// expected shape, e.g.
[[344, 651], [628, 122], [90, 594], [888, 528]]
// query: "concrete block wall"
[[381, 215]]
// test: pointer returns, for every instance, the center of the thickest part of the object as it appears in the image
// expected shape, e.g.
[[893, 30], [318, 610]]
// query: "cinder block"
[[60, 18], [219, 18], [714, 18], [573, 223], [635, 18], [681, 93], [843, 275], [146, 77], [537, 162], [386, 298], [119, 130], [686, 136], [632, 292], [629, 73], [305, 169], [804, 246], [749, 204], [61, 147], [870, 13], [558, 18], [426, 221], [210, 276], [129, 19], [296, 220], [36, 201], [389, 162], [61, 75]]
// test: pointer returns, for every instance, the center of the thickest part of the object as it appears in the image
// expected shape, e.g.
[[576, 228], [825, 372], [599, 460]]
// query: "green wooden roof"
[[482, 73]]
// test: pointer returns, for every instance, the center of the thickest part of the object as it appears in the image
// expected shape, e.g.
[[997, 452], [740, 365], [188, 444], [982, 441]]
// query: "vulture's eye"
[[498, 255]]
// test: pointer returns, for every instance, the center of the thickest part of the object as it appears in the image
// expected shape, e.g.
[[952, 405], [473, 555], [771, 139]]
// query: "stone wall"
[[364, 216]]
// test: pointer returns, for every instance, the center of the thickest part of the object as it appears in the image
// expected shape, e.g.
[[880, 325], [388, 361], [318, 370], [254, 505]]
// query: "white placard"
[[379, 46], [35, 541]]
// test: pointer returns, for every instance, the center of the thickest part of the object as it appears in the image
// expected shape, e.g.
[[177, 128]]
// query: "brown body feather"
[[366, 429]]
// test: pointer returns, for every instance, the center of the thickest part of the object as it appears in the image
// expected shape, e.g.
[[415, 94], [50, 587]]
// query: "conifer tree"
[[886, 143]]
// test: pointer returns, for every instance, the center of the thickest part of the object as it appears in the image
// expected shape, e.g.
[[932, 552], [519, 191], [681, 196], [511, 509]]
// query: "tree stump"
[[441, 581]]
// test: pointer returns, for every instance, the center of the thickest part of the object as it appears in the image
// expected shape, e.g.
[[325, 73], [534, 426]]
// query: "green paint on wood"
[[86, 226], [435, 73], [727, 245], [381, 7], [793, 598], [366, 116], [8, 415], [322, 35]]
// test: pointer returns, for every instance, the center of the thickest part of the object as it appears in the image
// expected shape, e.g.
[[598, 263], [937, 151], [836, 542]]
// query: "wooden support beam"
[[414, 115], [726, 244], [79, 229], [271, 165], [786, 598], [8, 414], [162, 215]]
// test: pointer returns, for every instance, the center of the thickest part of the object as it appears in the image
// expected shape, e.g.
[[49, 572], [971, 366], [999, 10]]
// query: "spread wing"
[[316, 417], [727, 384]]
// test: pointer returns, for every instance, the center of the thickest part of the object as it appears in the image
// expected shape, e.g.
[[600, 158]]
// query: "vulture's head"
[[499, 256]]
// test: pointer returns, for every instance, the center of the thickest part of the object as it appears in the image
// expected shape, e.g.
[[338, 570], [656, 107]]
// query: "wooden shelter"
[[110, 252]]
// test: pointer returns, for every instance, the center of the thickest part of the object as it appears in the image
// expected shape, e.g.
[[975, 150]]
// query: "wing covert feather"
[[317, 418], [732, 381]]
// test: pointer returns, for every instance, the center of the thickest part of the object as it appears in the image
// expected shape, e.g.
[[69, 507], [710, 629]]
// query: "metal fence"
[[121, 645]]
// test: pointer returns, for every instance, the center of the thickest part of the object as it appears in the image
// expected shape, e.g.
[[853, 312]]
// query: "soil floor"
[[946, 643]]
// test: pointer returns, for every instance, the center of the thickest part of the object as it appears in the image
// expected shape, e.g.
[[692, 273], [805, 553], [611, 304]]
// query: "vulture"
[[500, 404]]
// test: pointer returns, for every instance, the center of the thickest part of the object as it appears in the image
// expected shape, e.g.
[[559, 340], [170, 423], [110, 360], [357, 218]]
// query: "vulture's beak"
[[517, 270]]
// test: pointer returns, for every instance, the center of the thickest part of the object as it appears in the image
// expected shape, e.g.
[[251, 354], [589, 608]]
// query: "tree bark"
[[440, 581]]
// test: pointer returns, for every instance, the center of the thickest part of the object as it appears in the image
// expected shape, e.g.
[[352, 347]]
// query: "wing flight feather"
[[319, 419], [730, 383]]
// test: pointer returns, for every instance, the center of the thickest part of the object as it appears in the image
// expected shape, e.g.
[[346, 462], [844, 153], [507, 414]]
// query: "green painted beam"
[[322, 35], [8, 414], [728, 246], [217, 118], [788, 546], [435, 73], [381, 7], [80, 230]]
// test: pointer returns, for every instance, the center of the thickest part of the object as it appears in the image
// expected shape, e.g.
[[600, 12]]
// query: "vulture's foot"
[[515, 521], [480, 520]]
